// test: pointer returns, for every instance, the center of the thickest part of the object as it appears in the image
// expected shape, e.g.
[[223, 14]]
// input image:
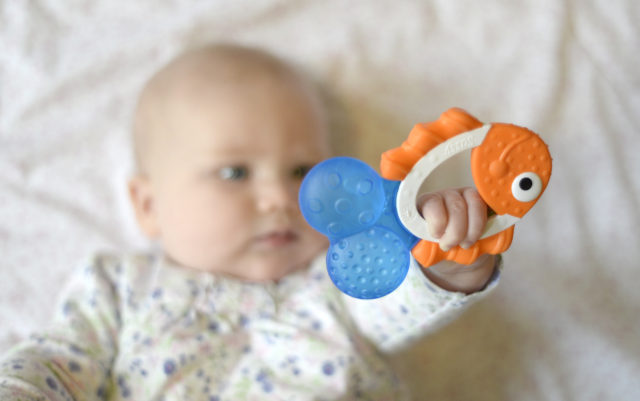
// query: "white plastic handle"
[[409, 187]]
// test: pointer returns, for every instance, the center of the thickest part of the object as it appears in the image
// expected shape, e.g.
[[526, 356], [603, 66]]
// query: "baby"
[[238, 305]]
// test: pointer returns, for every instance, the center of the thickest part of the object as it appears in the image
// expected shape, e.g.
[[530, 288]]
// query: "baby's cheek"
[[315, 242]]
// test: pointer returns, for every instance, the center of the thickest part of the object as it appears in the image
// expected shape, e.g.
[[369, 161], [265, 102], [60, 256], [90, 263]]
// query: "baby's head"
[[223, 137]]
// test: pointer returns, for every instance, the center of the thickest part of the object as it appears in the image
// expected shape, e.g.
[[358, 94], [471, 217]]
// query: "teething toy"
[[373, 223]]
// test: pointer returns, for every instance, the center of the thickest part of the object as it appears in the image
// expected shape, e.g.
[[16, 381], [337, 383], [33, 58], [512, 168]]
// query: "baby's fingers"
[[435, 213], [454, 216], [477, 212], [457, 219]]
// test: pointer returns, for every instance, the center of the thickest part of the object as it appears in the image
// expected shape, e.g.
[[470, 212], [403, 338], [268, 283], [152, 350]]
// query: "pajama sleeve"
[[416, 308], [72, 360]]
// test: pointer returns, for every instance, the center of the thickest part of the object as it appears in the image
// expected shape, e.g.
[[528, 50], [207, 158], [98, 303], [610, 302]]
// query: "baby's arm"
[[73, 360], [430, 298], [457, 217]]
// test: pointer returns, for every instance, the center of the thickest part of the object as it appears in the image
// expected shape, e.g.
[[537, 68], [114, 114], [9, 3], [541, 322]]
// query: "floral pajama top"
[[141, 328]]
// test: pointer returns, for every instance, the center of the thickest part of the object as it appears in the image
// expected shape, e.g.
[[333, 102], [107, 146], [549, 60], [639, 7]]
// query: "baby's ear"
[[141, 196]]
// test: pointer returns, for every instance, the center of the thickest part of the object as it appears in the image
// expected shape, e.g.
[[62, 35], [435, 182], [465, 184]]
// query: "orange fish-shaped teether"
[[372, 222], [510, 165]]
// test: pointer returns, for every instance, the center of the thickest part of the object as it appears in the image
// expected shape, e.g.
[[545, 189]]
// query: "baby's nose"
[[276, 194]]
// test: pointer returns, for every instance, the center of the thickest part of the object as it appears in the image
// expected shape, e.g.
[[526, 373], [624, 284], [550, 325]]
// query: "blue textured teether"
[[346, 200]]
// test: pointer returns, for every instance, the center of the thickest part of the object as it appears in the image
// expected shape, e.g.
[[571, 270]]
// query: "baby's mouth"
[[277, 238]]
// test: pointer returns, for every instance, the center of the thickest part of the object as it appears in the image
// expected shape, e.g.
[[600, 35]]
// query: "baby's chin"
[[264, 272], [263, 265], [273, 266]]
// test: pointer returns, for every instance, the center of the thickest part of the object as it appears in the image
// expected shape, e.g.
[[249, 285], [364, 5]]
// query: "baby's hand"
[[457, 217], [454, 216]]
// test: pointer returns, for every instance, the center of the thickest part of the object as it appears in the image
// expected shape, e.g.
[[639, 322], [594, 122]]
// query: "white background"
[[564, 323]]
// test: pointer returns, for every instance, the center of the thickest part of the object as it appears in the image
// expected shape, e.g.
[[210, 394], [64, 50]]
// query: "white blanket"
[[565, 321]]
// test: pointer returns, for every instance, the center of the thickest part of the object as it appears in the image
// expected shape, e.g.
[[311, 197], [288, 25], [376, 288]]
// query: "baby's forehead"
[[221, 66], [201, 72], [231, 77], [228, 73]]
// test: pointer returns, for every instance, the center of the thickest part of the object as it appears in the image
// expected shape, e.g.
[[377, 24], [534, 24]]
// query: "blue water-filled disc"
[[341, 196], [369, 264]]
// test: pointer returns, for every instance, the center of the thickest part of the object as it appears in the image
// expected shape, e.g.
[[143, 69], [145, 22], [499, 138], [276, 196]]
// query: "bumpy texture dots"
[[341, 196], [369, 264], [347, 201]]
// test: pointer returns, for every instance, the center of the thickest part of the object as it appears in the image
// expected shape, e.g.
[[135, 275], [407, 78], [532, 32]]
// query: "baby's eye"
[[233, 173], [301, 171]]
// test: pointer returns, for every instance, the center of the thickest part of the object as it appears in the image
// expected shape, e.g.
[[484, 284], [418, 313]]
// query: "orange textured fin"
[[428, 253], [396, 163]]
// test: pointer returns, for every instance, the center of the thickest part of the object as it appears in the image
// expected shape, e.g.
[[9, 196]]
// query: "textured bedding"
[[564, 323]]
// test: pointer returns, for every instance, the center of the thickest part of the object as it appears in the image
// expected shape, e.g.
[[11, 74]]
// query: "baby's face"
[[225, 187]]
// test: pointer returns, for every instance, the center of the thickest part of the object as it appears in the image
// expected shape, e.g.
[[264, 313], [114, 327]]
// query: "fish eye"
[[526, 187], [233, 173]]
